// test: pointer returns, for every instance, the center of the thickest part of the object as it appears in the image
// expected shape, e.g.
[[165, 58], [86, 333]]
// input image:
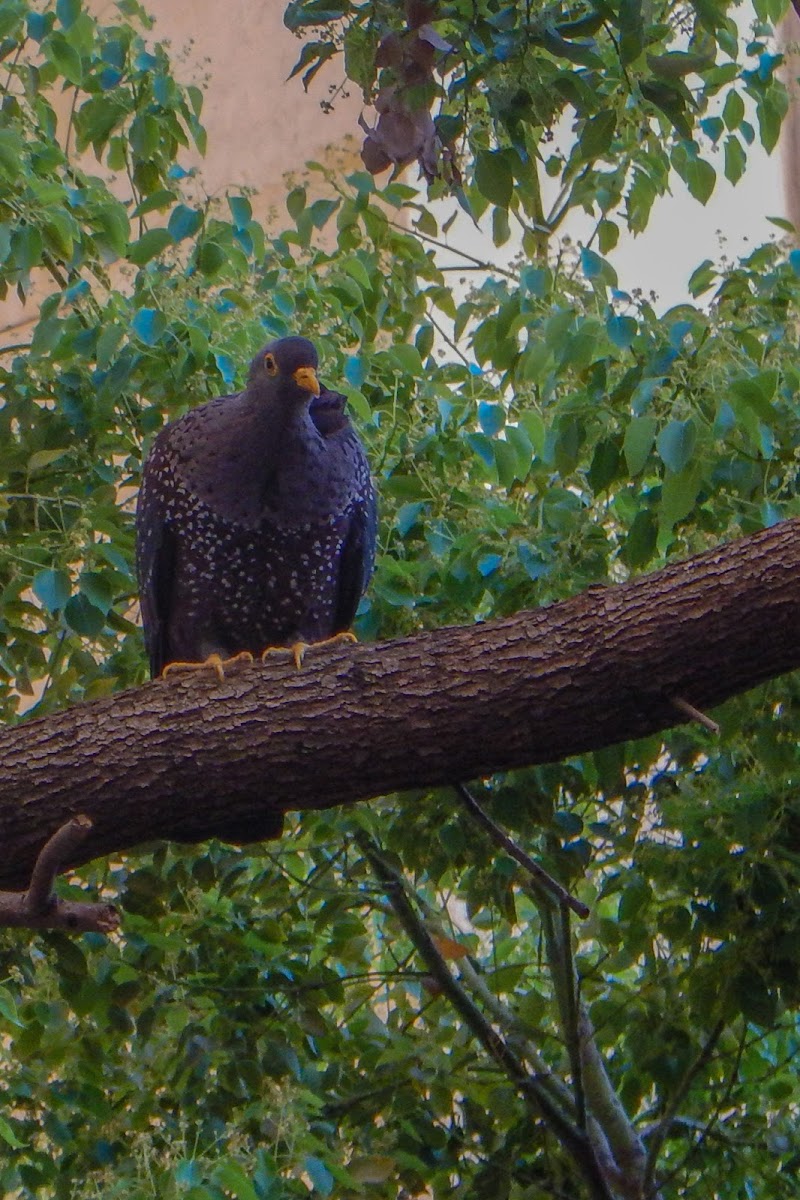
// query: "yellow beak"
[[306, 377]]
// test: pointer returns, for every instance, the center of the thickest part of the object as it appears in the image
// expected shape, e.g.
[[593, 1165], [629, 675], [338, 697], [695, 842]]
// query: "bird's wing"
[[358, 557], [155, 566]]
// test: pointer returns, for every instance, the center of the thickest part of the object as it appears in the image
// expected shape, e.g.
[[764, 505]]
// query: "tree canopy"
[[383, 1002]]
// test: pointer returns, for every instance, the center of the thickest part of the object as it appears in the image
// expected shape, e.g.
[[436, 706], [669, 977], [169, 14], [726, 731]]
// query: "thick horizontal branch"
[[192, 758]]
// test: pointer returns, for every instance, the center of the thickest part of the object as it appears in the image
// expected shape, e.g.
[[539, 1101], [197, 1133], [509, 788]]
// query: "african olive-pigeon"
[[256, 521]]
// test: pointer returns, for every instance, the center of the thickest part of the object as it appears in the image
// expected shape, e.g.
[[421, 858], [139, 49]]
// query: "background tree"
[[382, 1003]]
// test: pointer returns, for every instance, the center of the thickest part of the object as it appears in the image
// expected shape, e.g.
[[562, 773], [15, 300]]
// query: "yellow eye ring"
[[270, 364]]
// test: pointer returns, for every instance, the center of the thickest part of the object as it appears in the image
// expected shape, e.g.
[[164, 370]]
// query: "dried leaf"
[[449, 948]]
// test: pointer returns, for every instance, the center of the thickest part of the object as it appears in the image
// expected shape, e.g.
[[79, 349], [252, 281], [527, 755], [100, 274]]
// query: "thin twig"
[[696, 715], [571, 1027], [659, 1134], [714, 1118], [13, 64], [478, 262], [41, 499], [512, 849], [453, 345], [75, 95]]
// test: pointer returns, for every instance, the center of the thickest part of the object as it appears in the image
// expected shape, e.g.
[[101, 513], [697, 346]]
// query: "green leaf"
[[735, 159], [149, 324], [8, 1007], [296, 202], [11, 149], [321, 211], [604, 466], [320, 1176], [64, 57], [148, 246], [52, 589], [59, 231], [359, 404], [45, 458], [83, 617], [639, 439], [501, 228], [356, 270], [107, 344], [359, 56], [535, 428], [733, 110], [770, 117], [700, 178], [372, 1169], [407, 358], [241, 211], [677, 63], [598, 134], [231, 1177], [97, 589], [491, 417], [634, 900], [676, 444], [671, 101], [506, 463], [621, 331], [631, 26], [757, 391], [113, 220], [8, 1135], [607, 235], [678, 495], [517, 436], [184, 222], [493, 176], [702, 278], [26, 247], [68, 11], [210, 257], [640, 544]]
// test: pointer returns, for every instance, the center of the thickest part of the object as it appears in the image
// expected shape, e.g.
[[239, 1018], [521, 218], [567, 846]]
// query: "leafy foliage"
[[266, 1026], [649, 91]]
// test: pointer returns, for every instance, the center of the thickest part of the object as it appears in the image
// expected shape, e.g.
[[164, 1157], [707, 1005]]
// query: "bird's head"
[[286, 368]]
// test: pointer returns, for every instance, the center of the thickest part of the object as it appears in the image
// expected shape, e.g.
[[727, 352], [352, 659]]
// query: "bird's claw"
[[214, 661], [298, 650]]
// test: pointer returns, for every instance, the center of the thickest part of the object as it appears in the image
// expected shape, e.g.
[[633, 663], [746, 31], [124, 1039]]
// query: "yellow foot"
[[214, 661], [298, 650]]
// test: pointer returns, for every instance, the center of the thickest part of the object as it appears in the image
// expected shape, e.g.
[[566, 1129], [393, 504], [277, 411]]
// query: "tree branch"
[[39, 908], [540, 1099], [189, 759], [660, 1133], [501, 838]]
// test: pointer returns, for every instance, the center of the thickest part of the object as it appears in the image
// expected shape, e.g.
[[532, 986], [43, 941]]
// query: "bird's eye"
[[270, 364]]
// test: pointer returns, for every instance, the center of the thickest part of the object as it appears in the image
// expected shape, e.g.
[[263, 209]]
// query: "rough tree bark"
[[190, 758]]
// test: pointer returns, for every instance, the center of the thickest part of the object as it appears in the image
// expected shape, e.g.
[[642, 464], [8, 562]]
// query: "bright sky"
[[681, 233]]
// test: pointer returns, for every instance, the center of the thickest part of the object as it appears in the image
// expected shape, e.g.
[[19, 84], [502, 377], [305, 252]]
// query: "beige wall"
[[790, 132], [260, 124]]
